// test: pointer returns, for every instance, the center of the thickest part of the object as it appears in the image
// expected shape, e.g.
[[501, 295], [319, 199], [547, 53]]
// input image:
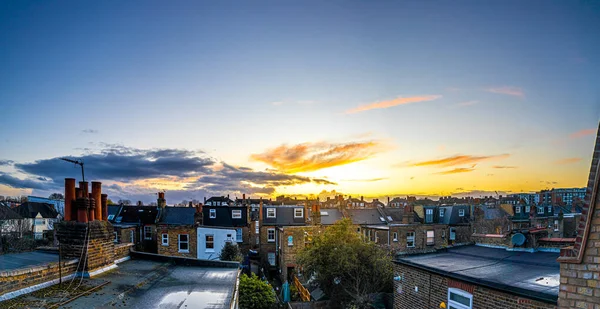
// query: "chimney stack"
[[92, 208], [97, 195], [244, 196], [104, 203], [69, 199], [316, 214], [83, 186], [362, 198], [191, 204], [161, 202]]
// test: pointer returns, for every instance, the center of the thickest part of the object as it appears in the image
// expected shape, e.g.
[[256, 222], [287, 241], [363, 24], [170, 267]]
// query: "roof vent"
[[518, 239]]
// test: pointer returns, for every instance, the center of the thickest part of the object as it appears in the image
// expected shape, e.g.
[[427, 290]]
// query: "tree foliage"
[[347, 268], [230, 252], [255, 293], [56, 196]]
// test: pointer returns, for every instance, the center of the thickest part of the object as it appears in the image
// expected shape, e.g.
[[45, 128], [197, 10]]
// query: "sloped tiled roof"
[[395, 214], [178, 215], [8, 214], [31, 209], [137, 214], [330, 216], [365, 216]]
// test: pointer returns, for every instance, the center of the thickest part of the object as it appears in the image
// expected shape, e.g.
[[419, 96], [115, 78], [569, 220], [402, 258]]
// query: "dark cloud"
[[89, 131], [122, 163], [6, 162], [17, 183]]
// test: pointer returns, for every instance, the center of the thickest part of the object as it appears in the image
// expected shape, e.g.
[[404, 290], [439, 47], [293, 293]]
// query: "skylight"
[[382, 219], [390, 218], [324, 213]]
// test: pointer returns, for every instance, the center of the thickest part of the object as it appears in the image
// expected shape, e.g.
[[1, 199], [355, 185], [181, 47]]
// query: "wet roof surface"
[[149, 284], [537, 272], [26, 259]]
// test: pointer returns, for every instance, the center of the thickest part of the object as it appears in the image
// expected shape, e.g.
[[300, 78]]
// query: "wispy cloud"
[[457, 170], [366, 180], [582, 133], [309, 157], [6, 162], [459, 160], [467, 103], [567, 161], [89, 131], [514, 91], [391, 103], [504, 166]]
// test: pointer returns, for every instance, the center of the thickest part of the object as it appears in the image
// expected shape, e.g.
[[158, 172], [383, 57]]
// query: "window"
[[540, 210], [229, 238], [115, 237], [376, 237], [452, 233], [271, 258], [527, 209], [110, 217], [556, 229], [165, 239], [428, 215], [549, 209], [236, 214], [395, 236], [213, 213], [148, 232], [410, 239], [461, 212], [430, 238], [290, 241], [238, 235], [184, 243], [369, 234], [442, 210], [271, 213], [210, 242], [518, 209], [459, 299], [131, 236], [271, 235], [298, 212]]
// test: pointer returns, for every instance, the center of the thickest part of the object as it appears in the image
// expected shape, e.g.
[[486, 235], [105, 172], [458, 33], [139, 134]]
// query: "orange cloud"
[[457, 170], [459, 160], [504, 166], [582, 133], [308, 157], [514, 91], [394, 102], [567, 161]]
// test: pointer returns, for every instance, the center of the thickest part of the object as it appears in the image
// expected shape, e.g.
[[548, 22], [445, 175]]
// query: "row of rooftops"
[[28, 210]]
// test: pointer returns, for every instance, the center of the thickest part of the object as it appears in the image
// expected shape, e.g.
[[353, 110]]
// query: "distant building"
[[59, 205]]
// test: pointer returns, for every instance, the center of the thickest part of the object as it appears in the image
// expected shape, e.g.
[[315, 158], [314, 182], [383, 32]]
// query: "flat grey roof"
[[12, 261], [533, 275]]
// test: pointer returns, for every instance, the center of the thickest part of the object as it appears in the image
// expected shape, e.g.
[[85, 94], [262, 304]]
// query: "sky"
[[265, 98]]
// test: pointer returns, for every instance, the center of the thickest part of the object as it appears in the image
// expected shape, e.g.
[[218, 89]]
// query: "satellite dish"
[[518, 239]]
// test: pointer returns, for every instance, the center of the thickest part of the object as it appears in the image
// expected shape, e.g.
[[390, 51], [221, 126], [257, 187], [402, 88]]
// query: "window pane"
[[460, 299], [183, 237]]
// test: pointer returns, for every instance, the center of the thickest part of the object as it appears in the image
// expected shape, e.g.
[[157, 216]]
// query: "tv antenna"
[[76, 162]]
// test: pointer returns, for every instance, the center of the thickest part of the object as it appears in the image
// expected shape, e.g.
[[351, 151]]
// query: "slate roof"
[[493, 213], [178, 215], [331, 217], [365, 216], [284, 216], [31, 209], [532, 275], [8, 214], [395, 214], [220, 199], [224, 216], [137, 214], [113, 209], [451, 214]]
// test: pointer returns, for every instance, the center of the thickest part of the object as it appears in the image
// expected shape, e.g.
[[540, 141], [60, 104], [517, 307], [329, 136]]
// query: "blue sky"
[[241, 78]]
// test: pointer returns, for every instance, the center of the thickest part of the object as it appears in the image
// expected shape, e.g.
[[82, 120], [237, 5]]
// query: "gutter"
[[539, 296]]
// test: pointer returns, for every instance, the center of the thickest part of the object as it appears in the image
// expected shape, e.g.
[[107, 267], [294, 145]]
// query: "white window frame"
[[147, 231], [427, 237], [540, 210], [410, 238], [187, 242], [212, 213], [376, 237], [271, 213], [442, 211], [131, 236], [461, 212], [452, 233], [269, 239], [549, 209], [556, 227], [236, 213], [206, 248], [429, 213], [527, 209], [518, 209], [163, 238], [296, 215], [239, 232], [115, 239], [395, 236], [457, 305]]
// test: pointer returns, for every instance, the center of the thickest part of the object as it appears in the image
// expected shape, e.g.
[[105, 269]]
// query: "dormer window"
[[428, 215], [442, 211], [518, 209], [271, 213], [298, 212], [461, 212], [236, 214], [540, 210], [213, 213]]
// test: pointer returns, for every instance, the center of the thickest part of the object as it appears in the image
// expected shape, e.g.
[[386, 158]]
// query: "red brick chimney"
[[70, 213], [97, 196]]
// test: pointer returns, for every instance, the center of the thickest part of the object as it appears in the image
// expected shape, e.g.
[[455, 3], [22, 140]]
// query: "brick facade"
[[122, 250], [173, 232], [22, 278], [100, 243], [580, 264], [287, 254], [416, 288]]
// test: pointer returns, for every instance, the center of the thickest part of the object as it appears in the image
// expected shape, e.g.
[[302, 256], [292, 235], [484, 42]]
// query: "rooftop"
[[12, 261], [534, 275]]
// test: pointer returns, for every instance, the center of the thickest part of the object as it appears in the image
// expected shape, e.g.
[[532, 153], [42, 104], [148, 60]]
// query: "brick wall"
[[100, 243], [432, 289], [122, 250], [580, 280], [441, 235], [172, 249], [22, 278], [491, 239], [287, 254], [265, 245]]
